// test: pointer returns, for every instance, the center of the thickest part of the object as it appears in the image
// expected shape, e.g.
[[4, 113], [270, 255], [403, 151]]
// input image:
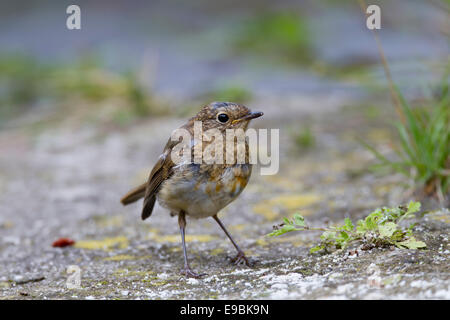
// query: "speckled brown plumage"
[[199, 190]]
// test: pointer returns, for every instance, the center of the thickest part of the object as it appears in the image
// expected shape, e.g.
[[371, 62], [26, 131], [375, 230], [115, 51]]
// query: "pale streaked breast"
[[202, 192]]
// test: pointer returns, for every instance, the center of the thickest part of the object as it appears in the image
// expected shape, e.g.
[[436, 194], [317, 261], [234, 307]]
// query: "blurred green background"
[[136, 59]]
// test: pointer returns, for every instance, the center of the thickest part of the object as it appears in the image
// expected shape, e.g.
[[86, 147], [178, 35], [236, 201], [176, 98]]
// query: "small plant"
[[25, 82], [424, 150], [305, 138], [20, 83], [276, 35], [380, 228], [232, 93]]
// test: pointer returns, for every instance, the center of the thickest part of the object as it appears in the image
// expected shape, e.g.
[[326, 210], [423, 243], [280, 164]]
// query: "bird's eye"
[[222, 117]]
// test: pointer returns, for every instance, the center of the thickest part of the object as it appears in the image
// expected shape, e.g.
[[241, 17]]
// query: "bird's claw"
[[241, 259], [186, 271]]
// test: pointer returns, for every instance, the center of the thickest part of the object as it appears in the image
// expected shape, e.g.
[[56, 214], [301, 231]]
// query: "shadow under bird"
[[199, 190]]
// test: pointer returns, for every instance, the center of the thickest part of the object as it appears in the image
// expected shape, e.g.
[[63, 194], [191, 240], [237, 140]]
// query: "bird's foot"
[[186, 271], [241, 259]]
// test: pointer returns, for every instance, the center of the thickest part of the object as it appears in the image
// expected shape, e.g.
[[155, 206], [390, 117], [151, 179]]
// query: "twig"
[[30, 280], [394, 94]]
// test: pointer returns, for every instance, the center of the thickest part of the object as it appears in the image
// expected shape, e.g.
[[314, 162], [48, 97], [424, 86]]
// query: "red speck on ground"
[[63, 242]]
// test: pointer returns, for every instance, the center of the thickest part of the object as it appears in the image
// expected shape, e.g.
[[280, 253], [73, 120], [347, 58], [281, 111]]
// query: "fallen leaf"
[[63, 242]]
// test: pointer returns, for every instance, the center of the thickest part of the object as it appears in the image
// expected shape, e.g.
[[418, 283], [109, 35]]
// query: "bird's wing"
[[160, 172]]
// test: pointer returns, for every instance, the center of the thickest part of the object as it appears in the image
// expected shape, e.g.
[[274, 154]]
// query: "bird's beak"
[[250, 116]]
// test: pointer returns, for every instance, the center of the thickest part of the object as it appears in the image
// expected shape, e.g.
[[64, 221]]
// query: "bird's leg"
[[240, 257], [187, 269]]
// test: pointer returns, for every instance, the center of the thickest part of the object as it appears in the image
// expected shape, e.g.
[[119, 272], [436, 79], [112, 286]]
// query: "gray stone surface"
[[67, 183]]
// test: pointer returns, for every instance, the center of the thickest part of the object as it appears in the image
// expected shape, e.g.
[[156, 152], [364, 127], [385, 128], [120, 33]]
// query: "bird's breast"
[[203, 190]]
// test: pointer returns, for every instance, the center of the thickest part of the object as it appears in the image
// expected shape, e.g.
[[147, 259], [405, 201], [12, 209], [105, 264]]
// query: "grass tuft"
[[305, 138], [424, 133], [423, 153], [276, 35], [232, 93], [26, 82]]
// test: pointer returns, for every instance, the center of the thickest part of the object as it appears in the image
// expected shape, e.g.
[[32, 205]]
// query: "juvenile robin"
[[199, 190]]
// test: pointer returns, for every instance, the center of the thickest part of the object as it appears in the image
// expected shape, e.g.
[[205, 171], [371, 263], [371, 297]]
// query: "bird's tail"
[[134, 194]]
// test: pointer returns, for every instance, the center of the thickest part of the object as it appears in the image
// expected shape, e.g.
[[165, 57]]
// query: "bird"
[[197, 189]]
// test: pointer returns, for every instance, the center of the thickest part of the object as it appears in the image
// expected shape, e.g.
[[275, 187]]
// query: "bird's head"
[[226, 115]]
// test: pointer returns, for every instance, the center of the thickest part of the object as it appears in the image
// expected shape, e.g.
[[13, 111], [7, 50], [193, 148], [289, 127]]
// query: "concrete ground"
[[66, 181]]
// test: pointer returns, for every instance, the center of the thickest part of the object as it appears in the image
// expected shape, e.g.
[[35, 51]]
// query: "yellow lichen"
[[130, 273], [439, 216], [280, 181], [175, 238], [262, 242], [4, 285], [383, 189], [272, 208], [159, 283], [238, 227], [109, 221], [120, 257], [104, 244], [216, 251]]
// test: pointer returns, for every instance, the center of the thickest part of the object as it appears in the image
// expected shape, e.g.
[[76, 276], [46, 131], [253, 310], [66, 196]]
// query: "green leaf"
[[288, 228], [342, 240], [361, 227], [344, 235], [285, 229], [399, 235], [299, 220], [387, 229], [413, 207], [370, 222], [275, 233], [348, 225], [412, 243], [328, 235], [315, 249]]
